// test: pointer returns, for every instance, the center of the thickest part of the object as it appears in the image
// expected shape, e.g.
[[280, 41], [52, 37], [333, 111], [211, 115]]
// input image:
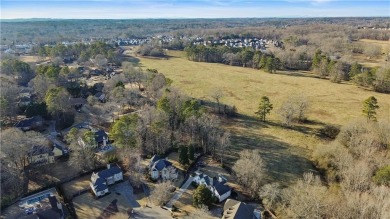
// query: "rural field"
[[373, 62], [286, 151]]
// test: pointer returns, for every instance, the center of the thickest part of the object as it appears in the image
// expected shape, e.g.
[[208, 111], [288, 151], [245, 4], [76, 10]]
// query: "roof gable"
[[161, 164], [101, 135]]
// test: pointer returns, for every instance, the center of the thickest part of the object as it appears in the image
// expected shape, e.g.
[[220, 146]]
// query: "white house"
[[161, 168], [217, 185], [102, 179]]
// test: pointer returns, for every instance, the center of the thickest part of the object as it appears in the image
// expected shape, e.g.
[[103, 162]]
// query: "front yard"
[[120, 203]]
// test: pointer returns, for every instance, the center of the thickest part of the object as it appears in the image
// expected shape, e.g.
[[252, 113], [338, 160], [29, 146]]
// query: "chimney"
[[257, 213]]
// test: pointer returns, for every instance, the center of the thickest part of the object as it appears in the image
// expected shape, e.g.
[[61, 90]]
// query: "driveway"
[[52, 136], [151, 213], [126, 190], [179, 192]]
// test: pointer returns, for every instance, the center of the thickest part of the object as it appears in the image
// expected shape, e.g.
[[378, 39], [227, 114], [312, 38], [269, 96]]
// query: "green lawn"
[[286, 151]]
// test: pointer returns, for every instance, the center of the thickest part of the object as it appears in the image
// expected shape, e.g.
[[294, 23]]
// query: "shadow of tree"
[[110, 210], [284, 162]]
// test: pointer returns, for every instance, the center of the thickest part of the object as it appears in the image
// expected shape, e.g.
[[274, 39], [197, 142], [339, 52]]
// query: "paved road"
[[179, 192]]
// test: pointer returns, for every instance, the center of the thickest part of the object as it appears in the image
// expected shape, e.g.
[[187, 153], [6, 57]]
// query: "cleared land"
[[286, 151], [373, 62]]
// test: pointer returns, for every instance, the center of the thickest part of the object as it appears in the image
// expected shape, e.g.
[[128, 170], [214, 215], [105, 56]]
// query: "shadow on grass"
[[285, 163], [296, 74], [132, 59]]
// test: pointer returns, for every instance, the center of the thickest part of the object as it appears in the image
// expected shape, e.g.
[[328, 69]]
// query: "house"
[[30, 123], [100, 96], [42, 205], [101, 139], [40, 155], [77, 102], [217, 185], [162, 168], [234, 209], [102, 179]]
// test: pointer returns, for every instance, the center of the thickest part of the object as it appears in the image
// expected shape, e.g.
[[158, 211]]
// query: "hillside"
[[286, 151]]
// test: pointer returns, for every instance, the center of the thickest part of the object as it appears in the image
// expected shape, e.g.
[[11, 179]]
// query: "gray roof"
[[115, 169], [40, 149], [237, 210], [154, 159], [99, 182], [100, 135], [29, 122], [221, 188], [100, 187], [161, 164]]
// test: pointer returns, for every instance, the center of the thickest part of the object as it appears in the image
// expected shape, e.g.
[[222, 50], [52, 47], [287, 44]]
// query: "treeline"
[[52, 31], [151, 50], [323, 65], [79, 51], [246, 57], [377, 78]]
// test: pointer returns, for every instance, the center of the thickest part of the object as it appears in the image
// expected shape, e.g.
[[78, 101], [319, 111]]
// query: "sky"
[[130, 9]]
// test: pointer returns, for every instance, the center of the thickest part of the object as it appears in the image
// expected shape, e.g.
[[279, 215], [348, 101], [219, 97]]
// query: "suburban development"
[[195, 118]]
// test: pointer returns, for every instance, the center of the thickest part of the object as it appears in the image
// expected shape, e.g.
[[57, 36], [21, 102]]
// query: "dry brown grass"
[[286, 150], [87, 206], [76, 185], [373, 62], [32, 59]]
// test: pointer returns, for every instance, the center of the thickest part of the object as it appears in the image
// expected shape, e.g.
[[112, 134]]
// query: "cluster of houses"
[[18, 49], [160, 168], [258, 44]]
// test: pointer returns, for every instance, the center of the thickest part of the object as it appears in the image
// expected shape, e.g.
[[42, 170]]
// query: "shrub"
[[193, 184], [329, 131], [382, 176], [112, 159], [202, 196]]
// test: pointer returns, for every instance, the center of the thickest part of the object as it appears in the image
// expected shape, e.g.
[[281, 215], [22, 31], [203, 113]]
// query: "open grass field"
[[377, 61], [286, 151]]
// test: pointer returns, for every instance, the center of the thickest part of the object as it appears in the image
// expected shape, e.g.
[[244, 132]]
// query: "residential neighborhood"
[[113, 109]]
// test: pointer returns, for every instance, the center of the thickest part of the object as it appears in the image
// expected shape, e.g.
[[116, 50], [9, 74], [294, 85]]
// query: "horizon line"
[[173, 18]]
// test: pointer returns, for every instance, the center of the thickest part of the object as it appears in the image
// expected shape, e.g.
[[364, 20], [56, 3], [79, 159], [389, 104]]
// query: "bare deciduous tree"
[[294, 108], [224, 144], [16, 144], [160, 193], [287, 112], [271, 195], [82, 158], [217, 95], [306, 199], [200, 213], [100, 60], [250, 170], [8, 101]]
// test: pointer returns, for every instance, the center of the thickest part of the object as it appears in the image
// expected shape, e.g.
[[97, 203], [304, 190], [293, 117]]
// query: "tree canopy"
[[123, 131]]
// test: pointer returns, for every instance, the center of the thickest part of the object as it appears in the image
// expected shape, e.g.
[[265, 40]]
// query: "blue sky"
[[122, 9]]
